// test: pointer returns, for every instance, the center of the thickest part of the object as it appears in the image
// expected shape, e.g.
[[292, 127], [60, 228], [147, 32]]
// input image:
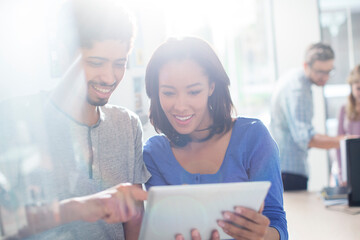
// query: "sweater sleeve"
[[263, 165]]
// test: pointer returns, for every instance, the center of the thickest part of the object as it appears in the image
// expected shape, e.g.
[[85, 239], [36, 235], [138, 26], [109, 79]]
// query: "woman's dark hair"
[[220, 103]]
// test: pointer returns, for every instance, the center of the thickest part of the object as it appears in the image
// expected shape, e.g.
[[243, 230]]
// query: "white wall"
[[24, 56], [150, 35], [296, 26]]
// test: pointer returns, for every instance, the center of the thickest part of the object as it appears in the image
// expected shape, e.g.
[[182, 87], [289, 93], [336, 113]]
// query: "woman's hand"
[[245, 223], [195, 235]]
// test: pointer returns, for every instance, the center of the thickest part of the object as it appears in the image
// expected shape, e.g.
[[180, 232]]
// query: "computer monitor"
[[353, 170]]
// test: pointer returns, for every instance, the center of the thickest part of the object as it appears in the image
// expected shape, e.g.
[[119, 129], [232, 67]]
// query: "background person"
[[292, 112], [349, 117]]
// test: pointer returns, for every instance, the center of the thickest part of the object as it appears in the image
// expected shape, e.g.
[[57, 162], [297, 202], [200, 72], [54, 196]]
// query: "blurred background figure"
[[292, 114], [349, 117]]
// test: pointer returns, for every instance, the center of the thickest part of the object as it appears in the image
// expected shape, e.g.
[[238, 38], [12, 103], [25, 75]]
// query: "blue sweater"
[[252, 155]]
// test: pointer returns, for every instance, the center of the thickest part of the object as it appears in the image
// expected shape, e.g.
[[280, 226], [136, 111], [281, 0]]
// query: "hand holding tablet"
[[173, 210]]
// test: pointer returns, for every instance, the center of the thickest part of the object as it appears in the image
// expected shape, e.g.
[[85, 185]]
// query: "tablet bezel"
[[167, 204]]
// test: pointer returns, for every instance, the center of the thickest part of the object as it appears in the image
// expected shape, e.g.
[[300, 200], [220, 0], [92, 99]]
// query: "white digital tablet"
[[179, 208]]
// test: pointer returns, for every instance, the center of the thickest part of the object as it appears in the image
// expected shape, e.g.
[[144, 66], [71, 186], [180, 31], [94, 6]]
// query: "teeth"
[[183, 118], [102, 89]]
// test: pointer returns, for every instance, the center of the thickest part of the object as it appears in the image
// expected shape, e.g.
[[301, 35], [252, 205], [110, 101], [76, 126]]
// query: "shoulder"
[[29, 107], [292, 75], [117, 113], [248, 125], [27, 101], [250, 131], [156, 143], [295, 79], [289, 84]]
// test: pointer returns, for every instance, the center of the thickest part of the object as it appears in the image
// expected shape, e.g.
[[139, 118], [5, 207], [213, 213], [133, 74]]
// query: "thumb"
[[261, 208]]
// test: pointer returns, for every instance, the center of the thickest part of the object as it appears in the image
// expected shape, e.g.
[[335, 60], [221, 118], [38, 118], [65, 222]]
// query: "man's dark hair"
[[83, 22], [99, 20], [318, 52]]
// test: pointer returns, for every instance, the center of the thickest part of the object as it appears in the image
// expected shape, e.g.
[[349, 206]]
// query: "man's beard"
[[99, 103]]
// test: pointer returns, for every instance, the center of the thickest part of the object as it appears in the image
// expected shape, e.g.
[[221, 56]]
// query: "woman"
[[202, 143], [349, 117]]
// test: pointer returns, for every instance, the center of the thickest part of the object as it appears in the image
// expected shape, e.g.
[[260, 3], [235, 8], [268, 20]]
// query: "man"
[[292, 113], [63, 152]]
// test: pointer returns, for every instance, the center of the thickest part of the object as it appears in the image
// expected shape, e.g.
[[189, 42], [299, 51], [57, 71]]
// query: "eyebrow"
[[106, 59], [190, 86], [194, 85]]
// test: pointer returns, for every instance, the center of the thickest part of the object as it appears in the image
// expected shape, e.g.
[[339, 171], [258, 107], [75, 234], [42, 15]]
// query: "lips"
[[183, 120], [102, 92]]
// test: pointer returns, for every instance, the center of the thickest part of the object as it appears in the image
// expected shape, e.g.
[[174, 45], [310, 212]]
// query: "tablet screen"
[[175, 209]]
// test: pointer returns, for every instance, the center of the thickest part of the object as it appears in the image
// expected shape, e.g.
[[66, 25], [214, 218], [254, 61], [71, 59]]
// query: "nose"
[[108, 76], [181, 103]]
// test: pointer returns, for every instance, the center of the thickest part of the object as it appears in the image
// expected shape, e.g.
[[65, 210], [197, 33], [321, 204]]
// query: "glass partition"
[[339, 27]]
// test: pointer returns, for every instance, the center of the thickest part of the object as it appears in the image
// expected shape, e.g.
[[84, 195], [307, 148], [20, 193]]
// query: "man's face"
[[104, 67], [319, 72]]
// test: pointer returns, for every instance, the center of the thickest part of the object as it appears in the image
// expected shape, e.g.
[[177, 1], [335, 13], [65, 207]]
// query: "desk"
[[309, 219]]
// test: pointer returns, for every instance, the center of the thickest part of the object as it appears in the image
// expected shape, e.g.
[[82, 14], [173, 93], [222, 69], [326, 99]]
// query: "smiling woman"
[[201, 141]]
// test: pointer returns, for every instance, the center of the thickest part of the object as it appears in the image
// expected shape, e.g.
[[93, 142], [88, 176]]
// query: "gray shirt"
[[76, 160]]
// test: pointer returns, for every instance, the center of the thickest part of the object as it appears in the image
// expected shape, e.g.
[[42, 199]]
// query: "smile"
[[183, 118], [103, 90]]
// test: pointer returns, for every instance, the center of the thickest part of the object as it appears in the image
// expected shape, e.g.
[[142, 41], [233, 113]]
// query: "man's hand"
[[117, 204]]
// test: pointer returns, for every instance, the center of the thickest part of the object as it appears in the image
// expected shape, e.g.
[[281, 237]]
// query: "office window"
[[339, 27], [338, 22], [241, 33]]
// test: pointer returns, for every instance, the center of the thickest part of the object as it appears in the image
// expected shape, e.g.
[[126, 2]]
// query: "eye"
[[168, 93], [119, 65], [194, 92], [94, 63]]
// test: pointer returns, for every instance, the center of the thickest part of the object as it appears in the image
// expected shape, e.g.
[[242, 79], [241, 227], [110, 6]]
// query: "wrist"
[[69, 211]]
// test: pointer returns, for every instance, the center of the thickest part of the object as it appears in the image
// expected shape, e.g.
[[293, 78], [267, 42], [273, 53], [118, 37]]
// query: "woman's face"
[[355, 89], [184, 90]]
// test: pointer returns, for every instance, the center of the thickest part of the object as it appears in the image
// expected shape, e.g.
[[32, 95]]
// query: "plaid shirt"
[[291, 116]]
